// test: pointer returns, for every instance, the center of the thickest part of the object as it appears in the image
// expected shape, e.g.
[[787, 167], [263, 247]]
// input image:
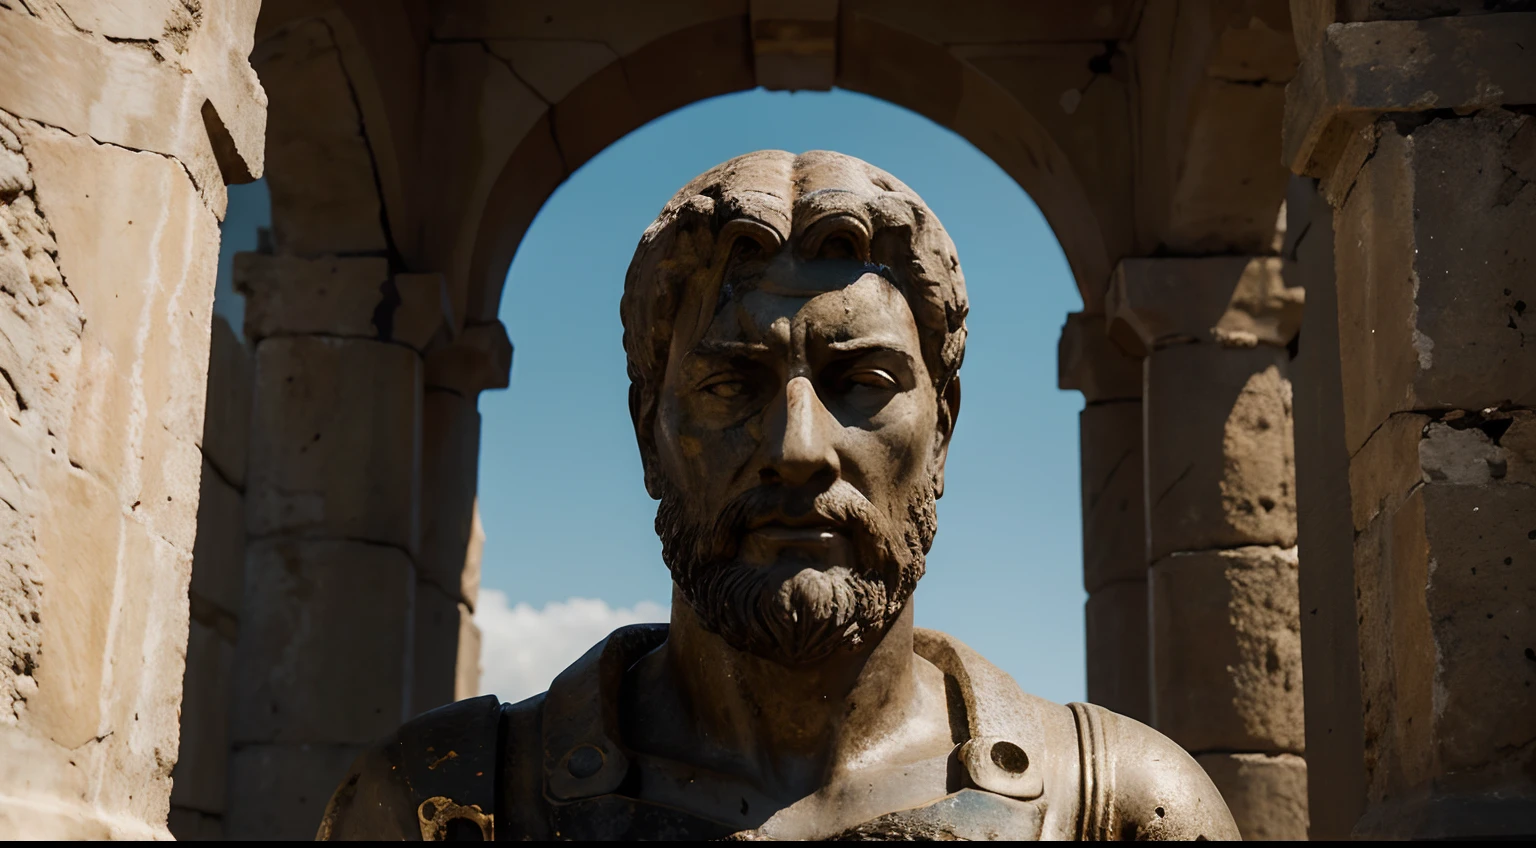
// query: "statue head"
[[794, 327]]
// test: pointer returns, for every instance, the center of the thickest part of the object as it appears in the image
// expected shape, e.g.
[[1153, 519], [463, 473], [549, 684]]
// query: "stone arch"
[[410, 147]]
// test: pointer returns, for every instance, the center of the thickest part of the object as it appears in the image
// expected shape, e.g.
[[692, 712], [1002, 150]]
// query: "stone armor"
[[554, 767]]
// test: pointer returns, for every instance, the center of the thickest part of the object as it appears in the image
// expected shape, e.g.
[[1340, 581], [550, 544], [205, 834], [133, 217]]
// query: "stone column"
[[447, 640], [115, 146], [1221, 523], [1420, 463], [1114, 519], [325, 662]]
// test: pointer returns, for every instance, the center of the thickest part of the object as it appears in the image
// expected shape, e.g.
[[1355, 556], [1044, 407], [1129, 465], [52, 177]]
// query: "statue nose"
[[800, 438]]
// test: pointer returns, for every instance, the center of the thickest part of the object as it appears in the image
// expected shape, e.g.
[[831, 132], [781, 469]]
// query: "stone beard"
[[795, 613]]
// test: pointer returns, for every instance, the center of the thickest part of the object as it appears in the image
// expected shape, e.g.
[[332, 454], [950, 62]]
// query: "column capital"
[[479, 359], [348, 297], [1089, 361], [1236, 301], [1364, 69]]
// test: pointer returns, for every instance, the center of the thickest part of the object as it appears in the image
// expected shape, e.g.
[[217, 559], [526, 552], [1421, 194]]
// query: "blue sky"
[[565, 513]]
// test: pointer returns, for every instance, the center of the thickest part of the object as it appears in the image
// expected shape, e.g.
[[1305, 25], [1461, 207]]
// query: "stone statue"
[[794, 327]]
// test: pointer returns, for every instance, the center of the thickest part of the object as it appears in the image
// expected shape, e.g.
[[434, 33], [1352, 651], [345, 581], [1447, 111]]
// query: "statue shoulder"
[[432, 778], [1140, 785]]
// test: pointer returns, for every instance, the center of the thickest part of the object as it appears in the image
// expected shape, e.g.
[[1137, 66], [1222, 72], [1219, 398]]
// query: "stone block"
[[335, 444], [1226, 650], [554, 68], [447, 650], [201, 764], [324, 643], [1442, 563], [479, 359], [424, 311], [170, 475], [1433, 243], [1118, 652], [1114, 512], [1266, 794], [1365, 68], [292, 296], [79, 539], [218, 555], [1220, 460], [227, 419], [325, 198], [794, 43], [1237, 301], [295, 783], [141, 694], [140, 253], [625, 28], [450, 444], [218, 53], [120, 94], [1088, 361]]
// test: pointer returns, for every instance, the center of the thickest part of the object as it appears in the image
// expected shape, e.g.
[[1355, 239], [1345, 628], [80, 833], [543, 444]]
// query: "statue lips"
[[810, 534]]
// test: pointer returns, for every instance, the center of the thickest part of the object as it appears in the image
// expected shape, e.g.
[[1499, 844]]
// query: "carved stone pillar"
[[447, 640], [325, 662], [1114, 519], [1221, 523], [1418, 465]]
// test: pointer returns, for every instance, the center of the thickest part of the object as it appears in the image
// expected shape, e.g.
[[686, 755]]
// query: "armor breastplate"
[[553, 767]]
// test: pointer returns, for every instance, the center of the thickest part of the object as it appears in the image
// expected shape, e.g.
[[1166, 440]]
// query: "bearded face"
[[800, 443]]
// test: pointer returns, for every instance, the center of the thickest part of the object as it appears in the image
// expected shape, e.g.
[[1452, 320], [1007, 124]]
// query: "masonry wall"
[[118, 129]]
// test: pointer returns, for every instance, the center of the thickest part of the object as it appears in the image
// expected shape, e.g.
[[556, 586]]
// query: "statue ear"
[[949, 410], [643, 413]]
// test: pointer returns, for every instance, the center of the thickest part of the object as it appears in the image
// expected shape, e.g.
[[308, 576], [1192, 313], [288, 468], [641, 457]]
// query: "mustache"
[[840, 507]]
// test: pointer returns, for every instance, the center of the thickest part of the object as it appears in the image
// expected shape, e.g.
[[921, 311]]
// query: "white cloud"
[[522, 648]]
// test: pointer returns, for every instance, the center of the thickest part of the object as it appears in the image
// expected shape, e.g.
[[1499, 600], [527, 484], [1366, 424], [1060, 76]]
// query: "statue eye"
[[727, 388], [874, 378]]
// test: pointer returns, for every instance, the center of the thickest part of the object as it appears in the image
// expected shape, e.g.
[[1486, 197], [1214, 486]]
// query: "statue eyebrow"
[[870, 343], [710, 347]]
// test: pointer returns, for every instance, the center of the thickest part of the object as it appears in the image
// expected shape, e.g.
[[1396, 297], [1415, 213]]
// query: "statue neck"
[[788, 729]]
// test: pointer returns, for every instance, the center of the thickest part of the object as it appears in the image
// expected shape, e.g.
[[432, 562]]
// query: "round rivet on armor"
[[584, 761], [1009, 757]]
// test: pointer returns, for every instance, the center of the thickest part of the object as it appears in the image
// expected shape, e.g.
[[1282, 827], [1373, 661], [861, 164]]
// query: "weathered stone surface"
[[553, 68], [198, 779], [794, 43], [447, 652], [323, 648], [479, 359], [227, 416], [1233, 300], [1088, 361], [114, 93], [623, 28], [335, 444], [450, 476], [324, 196], [79, 541], [424, 311], [140, 253], [218, 555], [217, 52], [1118, 650], [1226, 650], [1367, 68], [1442, 569], [1267, 794], [1220, 467], [287, 296], [295, 782], [1432, 238], [1114, 511]]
